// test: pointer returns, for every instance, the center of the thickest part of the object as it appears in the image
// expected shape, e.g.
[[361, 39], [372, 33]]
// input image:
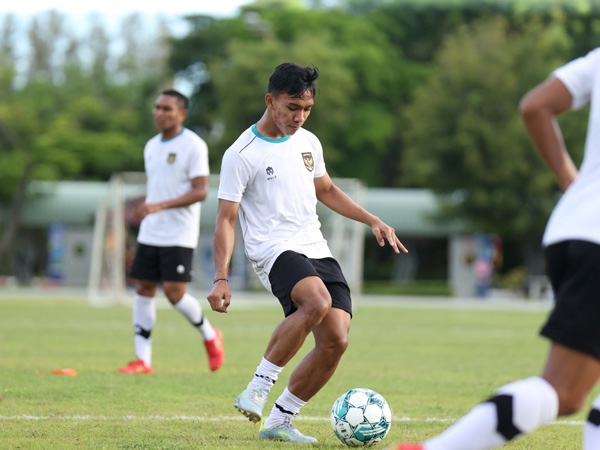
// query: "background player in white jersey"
[[176, 163], [572, 249], [273, 176]]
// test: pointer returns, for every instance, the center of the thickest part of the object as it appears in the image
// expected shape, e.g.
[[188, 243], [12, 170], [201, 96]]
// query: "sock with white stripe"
[[287, 406], [192, 311], [515, 409], [144, 318]]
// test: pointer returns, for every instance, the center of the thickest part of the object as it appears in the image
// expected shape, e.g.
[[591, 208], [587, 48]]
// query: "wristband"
[[220, 279]]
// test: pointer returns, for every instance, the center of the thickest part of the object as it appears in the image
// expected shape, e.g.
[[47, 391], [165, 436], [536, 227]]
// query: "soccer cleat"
[[251, 403], [137, 366], [406, 447], [284, 432], [214, 348]]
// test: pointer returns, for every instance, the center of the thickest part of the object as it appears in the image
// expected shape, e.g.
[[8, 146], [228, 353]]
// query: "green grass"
[[428, 363]]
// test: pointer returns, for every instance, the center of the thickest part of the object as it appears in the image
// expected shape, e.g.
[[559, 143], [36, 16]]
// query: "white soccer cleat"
[[284, 432], [251, 403]]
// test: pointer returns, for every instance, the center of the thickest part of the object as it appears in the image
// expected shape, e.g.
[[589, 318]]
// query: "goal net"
[[115, 234]]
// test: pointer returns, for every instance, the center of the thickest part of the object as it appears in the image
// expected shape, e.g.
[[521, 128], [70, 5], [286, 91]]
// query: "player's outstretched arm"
[[538, 109], [220, 295], [384, 232], [337, 200]]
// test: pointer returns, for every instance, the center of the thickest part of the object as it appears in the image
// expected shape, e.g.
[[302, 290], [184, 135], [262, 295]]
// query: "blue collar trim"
[[273, 141]]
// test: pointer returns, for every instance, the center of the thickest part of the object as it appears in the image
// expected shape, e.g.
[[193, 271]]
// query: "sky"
[[218, 8], [113, 12]]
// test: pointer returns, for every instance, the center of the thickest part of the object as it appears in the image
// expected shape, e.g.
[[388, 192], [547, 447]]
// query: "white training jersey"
[[170, 167], [273, 180], [577, 214]]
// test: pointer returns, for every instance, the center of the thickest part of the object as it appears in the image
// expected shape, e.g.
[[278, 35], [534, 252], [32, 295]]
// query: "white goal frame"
[[107, 284]]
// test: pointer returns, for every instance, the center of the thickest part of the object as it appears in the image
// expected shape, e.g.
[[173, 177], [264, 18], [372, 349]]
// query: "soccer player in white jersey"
[[273, 176], [176, 163], [572, 249]]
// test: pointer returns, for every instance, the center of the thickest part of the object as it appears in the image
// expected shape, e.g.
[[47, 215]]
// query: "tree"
[[363, 82], [62, 120], [465, 138], [206, 42]]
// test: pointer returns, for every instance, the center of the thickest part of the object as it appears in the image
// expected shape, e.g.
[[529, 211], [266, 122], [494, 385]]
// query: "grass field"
[[431, 364]]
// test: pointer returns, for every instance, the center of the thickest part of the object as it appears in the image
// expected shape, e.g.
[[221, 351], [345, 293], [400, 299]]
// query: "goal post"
[[107, 280], [115, 236], [346, 237]]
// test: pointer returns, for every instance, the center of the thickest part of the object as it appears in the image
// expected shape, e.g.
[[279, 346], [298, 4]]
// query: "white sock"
[[192, 311], [266, 375], [144, 317], [516, 408], [591, 430], [287, 406]]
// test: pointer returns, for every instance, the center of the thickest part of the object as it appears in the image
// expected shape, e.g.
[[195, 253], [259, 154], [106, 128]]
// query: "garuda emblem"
[[171, 158], [309, 162]]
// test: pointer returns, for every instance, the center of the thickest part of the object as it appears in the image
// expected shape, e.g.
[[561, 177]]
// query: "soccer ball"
[[360, 417]]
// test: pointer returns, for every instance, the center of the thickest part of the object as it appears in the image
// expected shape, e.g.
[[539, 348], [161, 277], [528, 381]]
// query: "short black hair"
[[293, 80], [182, 100]]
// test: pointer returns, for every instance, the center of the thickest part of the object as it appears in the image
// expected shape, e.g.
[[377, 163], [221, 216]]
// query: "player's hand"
[[384, 232], [220, 296], [143, 209]]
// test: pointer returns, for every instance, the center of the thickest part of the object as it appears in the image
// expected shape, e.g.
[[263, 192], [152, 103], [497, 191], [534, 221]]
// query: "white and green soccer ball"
[[361, 417]]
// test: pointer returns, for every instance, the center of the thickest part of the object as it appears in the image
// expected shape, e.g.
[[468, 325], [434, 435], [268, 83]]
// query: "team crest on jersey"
[[171, 158], [271, 173], [309, 162]]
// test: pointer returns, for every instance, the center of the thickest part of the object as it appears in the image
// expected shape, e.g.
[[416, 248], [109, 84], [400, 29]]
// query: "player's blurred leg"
[[144, 318], [215, 351], [517, 408], [190, 308], [591, 431]]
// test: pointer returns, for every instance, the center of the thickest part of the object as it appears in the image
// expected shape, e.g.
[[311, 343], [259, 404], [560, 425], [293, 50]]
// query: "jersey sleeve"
[[235, 176], [198, 166], [320, 169], [578, 76]]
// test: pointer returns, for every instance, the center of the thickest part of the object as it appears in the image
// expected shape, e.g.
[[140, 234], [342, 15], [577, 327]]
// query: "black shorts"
[[574, 271], [162, 263], [291, 267]]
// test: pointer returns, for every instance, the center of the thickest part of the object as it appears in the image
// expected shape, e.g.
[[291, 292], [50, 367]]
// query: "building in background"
[[56, 240]]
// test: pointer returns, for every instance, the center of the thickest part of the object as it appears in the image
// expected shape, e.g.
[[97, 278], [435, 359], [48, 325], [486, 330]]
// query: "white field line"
[[236, 418]]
